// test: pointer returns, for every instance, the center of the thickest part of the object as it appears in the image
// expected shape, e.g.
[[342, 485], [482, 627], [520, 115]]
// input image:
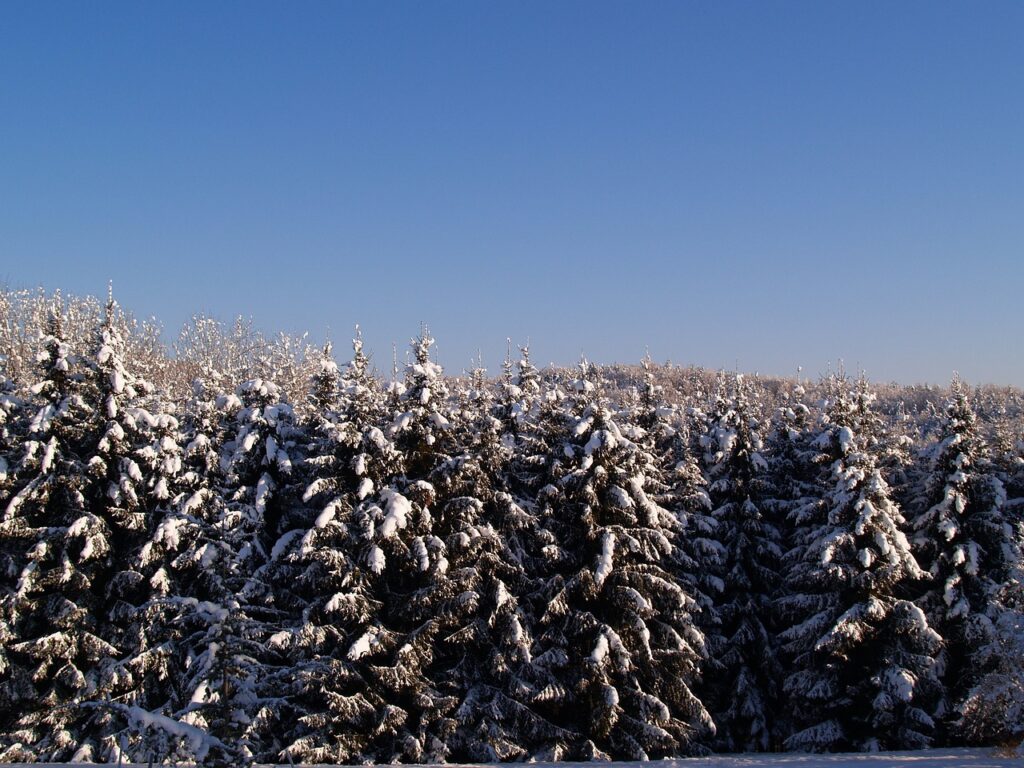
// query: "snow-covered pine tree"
[[792, 462], [154, 661], [12, 427], [187, 567], [479, 467], [485, 658], [338, 718], [118, 507], [970, 549], [420, 421], [347, 453], [57, 554], [660, 421], [678, 484], [324, 385], [259, 508], [493, 670], [362, 401], [862, 673], [119, 491], [1008, 448], [210, 610], [796, 505], [896, 456], [744, 677], [992, 710], [540, 417], [507, 398], [324, 473], [528, 382], [11, 410], [617, 638], [390, 609]]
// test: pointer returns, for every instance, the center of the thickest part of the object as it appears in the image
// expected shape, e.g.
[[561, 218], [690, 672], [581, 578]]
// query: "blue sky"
[[752, 185]]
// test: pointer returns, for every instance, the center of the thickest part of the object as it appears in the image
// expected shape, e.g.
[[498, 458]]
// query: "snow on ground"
[[929, 758]]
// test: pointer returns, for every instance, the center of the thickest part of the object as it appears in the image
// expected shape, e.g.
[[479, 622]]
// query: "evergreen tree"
[[617, 639], [454, 569], [793, 461], [57, 553], [259, 511], [11, 409], [862, 673], [118, 494], [394, 619], [992, 710], [968, 546], [187, 565], [486, 658], [339, 718], [324, 386], [208, 559], [744, 689], [420, 421]]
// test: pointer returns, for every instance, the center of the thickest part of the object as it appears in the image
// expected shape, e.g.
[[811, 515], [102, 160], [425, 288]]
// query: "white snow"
[[396, 513], [419, 551], [264, 488], [900, 683], [928, 758], [619, 497], [375, 560], [314, 488], [248, 442], [364, 645], [376, 437], [199, 742], [845, 437], [326, 516], [401, 422], [604, 560], [194, 501], [282, 543], [338, 599], [582, 426], [602, 438], [48, 453], [80, 526]]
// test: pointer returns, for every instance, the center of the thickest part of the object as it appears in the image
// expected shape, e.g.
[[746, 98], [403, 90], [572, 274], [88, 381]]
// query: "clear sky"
[[761, 185]]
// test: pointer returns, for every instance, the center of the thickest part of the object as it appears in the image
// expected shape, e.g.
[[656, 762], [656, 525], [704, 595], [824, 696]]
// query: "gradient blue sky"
[[758, 184]]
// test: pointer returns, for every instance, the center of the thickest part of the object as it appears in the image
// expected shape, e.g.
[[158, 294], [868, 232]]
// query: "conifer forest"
[[239, 548]]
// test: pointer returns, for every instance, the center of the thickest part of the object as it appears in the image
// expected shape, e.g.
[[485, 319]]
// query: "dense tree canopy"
[[244, 551]]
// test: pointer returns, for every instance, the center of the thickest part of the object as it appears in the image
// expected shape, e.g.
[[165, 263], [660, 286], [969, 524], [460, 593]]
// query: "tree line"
[[200, 564]]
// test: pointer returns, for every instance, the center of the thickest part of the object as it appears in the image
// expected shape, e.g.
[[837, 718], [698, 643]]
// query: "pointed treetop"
[[956, 385], [57, 307]]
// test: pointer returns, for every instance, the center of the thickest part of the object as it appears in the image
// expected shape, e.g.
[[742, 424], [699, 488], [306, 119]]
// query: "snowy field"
[[929, 758]]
